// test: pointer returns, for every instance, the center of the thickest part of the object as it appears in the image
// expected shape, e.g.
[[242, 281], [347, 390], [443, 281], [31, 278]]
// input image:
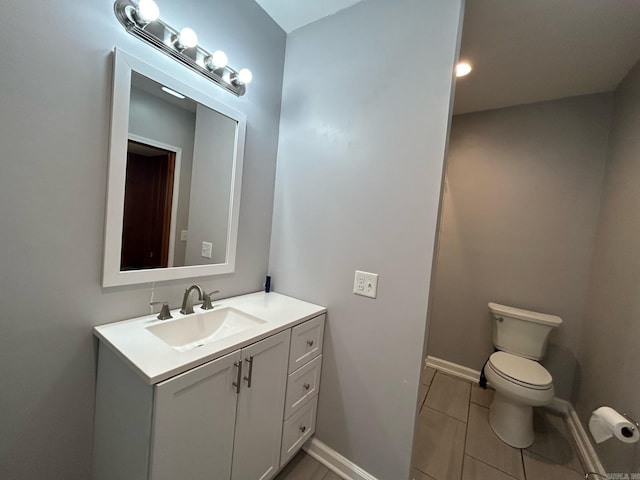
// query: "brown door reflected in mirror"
[[147, 207]]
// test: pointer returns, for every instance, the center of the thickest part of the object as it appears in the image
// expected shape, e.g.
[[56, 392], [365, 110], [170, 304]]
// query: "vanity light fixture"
[[142, 20]]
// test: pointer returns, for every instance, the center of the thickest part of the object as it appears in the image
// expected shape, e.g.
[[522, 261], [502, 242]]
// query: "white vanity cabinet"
[[196, 414], [256, 451], [303, 383], [194, 422], [240, 416]]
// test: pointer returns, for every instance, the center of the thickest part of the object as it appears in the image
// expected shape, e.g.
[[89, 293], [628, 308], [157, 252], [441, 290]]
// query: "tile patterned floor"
[[454, 441]]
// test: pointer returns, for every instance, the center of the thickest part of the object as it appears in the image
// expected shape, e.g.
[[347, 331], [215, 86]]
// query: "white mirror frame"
[[124, 64]]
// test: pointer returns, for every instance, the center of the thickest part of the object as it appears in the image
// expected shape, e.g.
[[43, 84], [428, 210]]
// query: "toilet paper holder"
[[625, 431]]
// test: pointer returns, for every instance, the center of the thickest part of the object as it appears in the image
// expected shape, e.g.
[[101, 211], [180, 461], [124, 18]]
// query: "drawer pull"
[[303, 429], [306, 386], [236, 384], [250, 377], [310, 343]]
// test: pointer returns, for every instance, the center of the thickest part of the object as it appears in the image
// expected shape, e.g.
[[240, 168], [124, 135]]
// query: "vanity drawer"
[[302, 385], [298, 429], [306, 342]]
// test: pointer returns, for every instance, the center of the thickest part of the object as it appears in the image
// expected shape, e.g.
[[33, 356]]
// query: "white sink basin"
[[192, 331]]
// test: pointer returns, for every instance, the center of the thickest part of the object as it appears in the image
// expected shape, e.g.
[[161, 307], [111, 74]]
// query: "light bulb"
[[187, 38], [245, 76], [147, 11], [217, 60], [463, 69]]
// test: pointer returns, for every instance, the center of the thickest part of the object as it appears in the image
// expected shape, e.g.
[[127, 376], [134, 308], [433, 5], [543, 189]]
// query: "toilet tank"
[[521, 332]]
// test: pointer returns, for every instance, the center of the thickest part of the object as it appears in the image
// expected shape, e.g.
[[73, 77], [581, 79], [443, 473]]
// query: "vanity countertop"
[[156, 361]]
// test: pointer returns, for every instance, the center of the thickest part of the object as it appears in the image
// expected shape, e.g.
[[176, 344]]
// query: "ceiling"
[[523, 51], [526, 51], [293, 14]]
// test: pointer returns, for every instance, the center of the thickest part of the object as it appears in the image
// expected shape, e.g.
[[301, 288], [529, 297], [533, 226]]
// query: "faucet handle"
[[164, 311], [206, 300]]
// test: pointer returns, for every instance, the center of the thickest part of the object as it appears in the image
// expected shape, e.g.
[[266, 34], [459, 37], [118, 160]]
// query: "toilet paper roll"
[[605, 423]]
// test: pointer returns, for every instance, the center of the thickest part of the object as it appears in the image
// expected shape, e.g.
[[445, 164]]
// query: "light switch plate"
[[184, 235], [365, 284], [207, 248]]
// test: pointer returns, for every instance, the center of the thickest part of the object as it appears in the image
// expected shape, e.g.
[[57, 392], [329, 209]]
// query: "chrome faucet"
[[187, 303]]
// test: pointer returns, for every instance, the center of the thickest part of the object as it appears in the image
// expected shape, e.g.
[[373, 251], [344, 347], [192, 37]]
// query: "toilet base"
[[512, 422]]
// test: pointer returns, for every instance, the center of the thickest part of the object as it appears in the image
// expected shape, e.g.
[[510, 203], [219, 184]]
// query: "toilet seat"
[[521, 371]]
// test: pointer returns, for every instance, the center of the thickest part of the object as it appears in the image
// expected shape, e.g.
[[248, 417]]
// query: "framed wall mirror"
[[175, 171]]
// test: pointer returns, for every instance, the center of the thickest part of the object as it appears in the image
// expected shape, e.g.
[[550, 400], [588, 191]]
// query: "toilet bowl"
[[520, 385]]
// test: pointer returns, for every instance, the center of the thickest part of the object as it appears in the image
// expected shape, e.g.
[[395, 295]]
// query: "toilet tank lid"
[[551, 320]]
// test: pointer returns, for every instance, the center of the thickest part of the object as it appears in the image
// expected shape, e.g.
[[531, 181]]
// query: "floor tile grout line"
[[423, 402], [421, 471], [446, 415], [465, 443], [493, 466], [466, 436]]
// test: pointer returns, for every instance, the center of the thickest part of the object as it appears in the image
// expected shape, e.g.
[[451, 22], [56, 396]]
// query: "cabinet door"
[[256, 452], [193, 423]]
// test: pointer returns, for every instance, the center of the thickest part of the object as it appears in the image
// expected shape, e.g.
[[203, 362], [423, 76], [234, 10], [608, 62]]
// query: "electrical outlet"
[[207, 248], [365, 284]]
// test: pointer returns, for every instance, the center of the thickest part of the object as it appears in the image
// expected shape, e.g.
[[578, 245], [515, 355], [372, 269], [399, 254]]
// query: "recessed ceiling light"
[[173, 92], [463, 69]]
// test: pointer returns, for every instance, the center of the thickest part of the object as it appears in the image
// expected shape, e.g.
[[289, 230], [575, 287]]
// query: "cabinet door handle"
[[236, 384], [306, 386], [303, 429], [310, 343], [250, 362]]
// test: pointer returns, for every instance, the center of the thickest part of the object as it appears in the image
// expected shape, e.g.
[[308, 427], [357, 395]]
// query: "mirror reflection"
[[180, 158]]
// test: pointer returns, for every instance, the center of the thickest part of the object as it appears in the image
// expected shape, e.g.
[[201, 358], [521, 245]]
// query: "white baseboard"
[[335, 462], [453, 369], [588, 455]]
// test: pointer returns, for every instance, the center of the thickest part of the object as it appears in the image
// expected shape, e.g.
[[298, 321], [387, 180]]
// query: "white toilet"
[[521, 383]]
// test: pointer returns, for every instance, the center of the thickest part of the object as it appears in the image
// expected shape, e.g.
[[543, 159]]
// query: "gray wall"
[[517, 226], [362, 141], [609, 373], [156, 119], [213, 155], [55, 92]]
